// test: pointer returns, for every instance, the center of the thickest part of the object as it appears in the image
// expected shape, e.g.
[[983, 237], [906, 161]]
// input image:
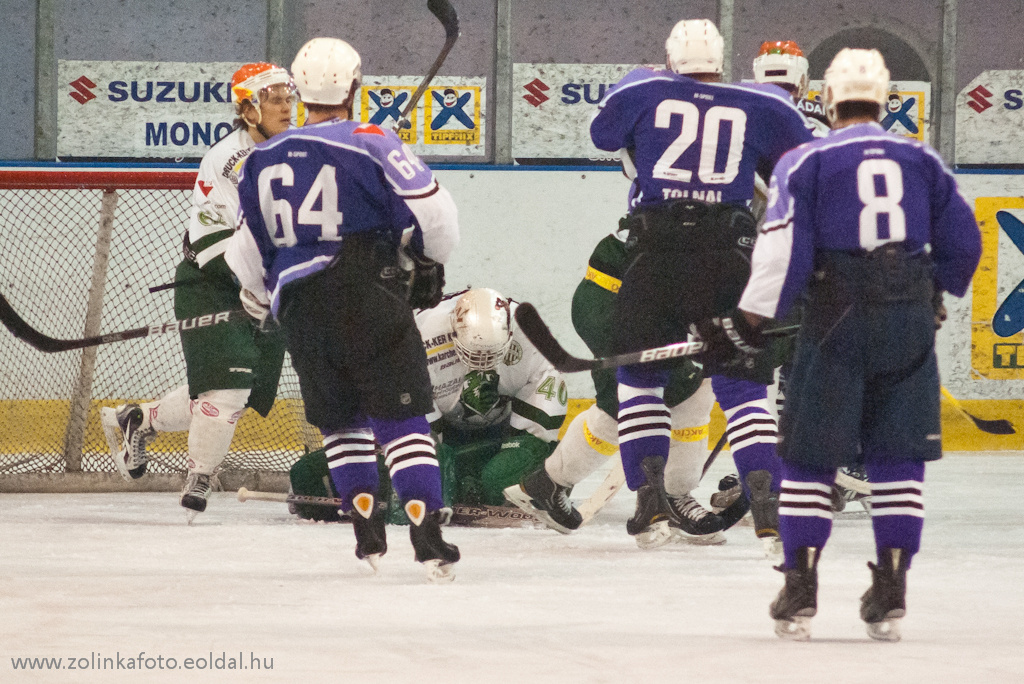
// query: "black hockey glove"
[[426, 281], [729, 341]]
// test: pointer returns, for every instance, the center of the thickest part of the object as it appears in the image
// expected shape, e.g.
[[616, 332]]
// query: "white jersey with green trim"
[[527, 385], [214, 210]]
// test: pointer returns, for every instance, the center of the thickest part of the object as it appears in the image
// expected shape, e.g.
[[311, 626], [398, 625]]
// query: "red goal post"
[[80, 246]]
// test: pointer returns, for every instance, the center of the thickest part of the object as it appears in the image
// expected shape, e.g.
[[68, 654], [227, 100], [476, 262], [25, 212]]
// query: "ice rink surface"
[[102, 577]]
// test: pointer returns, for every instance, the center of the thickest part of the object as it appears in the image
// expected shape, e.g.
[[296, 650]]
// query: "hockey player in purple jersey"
[[343, 227], [870, 229], [695, 144]]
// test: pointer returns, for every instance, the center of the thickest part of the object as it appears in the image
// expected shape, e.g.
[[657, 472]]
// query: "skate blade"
[[654, 536], [373, 560], [886, 630], [713, 539], [772, 548], [797, 629], [439, 572], [522, 500], [190, 515]]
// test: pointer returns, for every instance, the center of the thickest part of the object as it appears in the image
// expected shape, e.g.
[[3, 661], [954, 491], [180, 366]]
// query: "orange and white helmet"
[[482, 323], [782, 62], [251, 82]]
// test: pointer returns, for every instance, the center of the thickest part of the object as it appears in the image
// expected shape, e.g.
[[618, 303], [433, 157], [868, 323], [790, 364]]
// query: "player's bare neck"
[[320, 114], [852, 121]]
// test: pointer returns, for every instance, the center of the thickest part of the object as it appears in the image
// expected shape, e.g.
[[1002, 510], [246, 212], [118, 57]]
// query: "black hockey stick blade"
[[25, 332], [445, 13], [993, 427], [539, 334]]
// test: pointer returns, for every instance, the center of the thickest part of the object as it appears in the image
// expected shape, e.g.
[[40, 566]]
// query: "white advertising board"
[[990, 120], [177, 110]]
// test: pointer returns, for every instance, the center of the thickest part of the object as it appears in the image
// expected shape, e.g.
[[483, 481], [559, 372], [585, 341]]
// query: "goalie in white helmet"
[[498, 404]]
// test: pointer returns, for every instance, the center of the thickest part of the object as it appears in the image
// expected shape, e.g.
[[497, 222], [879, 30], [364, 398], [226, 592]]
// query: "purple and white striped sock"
[[897, 504], [805, 509], [352, 461]]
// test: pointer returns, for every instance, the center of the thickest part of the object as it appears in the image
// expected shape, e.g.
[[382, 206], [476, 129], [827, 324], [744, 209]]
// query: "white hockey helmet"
[[782, 62], [482, 323], [326, 70], [695, 47], [855, 75]]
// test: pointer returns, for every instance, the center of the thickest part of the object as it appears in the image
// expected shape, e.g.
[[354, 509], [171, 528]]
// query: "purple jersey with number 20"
[[694, 140]]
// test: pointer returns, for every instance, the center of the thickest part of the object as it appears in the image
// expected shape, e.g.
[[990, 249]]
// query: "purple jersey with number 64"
[[853, 191], [304, 190], [694, 140]]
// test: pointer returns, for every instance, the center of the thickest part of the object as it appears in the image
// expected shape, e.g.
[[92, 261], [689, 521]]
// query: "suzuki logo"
[[82, 92], [536, 96], [978, 99]]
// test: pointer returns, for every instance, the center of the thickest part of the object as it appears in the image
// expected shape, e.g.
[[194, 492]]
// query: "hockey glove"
[[729, 341], [255, 305], [426, 281]]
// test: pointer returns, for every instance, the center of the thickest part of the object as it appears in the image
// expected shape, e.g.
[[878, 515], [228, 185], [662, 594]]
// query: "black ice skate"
[[764, 509], [437, 555], [368, 522], [797, 603], [195, 494], [538, 495], [131, 457], [692, 522], [884, 604], [649, 524]]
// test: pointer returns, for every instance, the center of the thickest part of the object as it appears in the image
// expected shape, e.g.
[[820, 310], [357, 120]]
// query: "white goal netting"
[[79, 250]]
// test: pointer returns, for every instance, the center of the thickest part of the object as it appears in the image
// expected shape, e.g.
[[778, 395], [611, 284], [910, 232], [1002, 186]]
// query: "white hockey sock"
[[170, 413], [688, 450], [214, 417], [590, 440]]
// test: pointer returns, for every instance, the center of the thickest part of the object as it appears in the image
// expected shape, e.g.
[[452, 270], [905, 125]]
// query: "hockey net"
[[80, 249]]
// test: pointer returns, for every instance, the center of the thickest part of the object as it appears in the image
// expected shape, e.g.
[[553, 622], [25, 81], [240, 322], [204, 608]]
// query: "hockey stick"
[[993, 427], [445, 13], [462, 515], [540, 335], [25, 332], [852, 483]]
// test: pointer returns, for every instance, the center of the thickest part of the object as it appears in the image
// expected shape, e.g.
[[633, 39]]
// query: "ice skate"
[[797, 602], [693, 523], [437, 555], [538, 495], [649, 524], [764, 509], [368, 522], [884, 604], [195, 494], [127, 439]]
